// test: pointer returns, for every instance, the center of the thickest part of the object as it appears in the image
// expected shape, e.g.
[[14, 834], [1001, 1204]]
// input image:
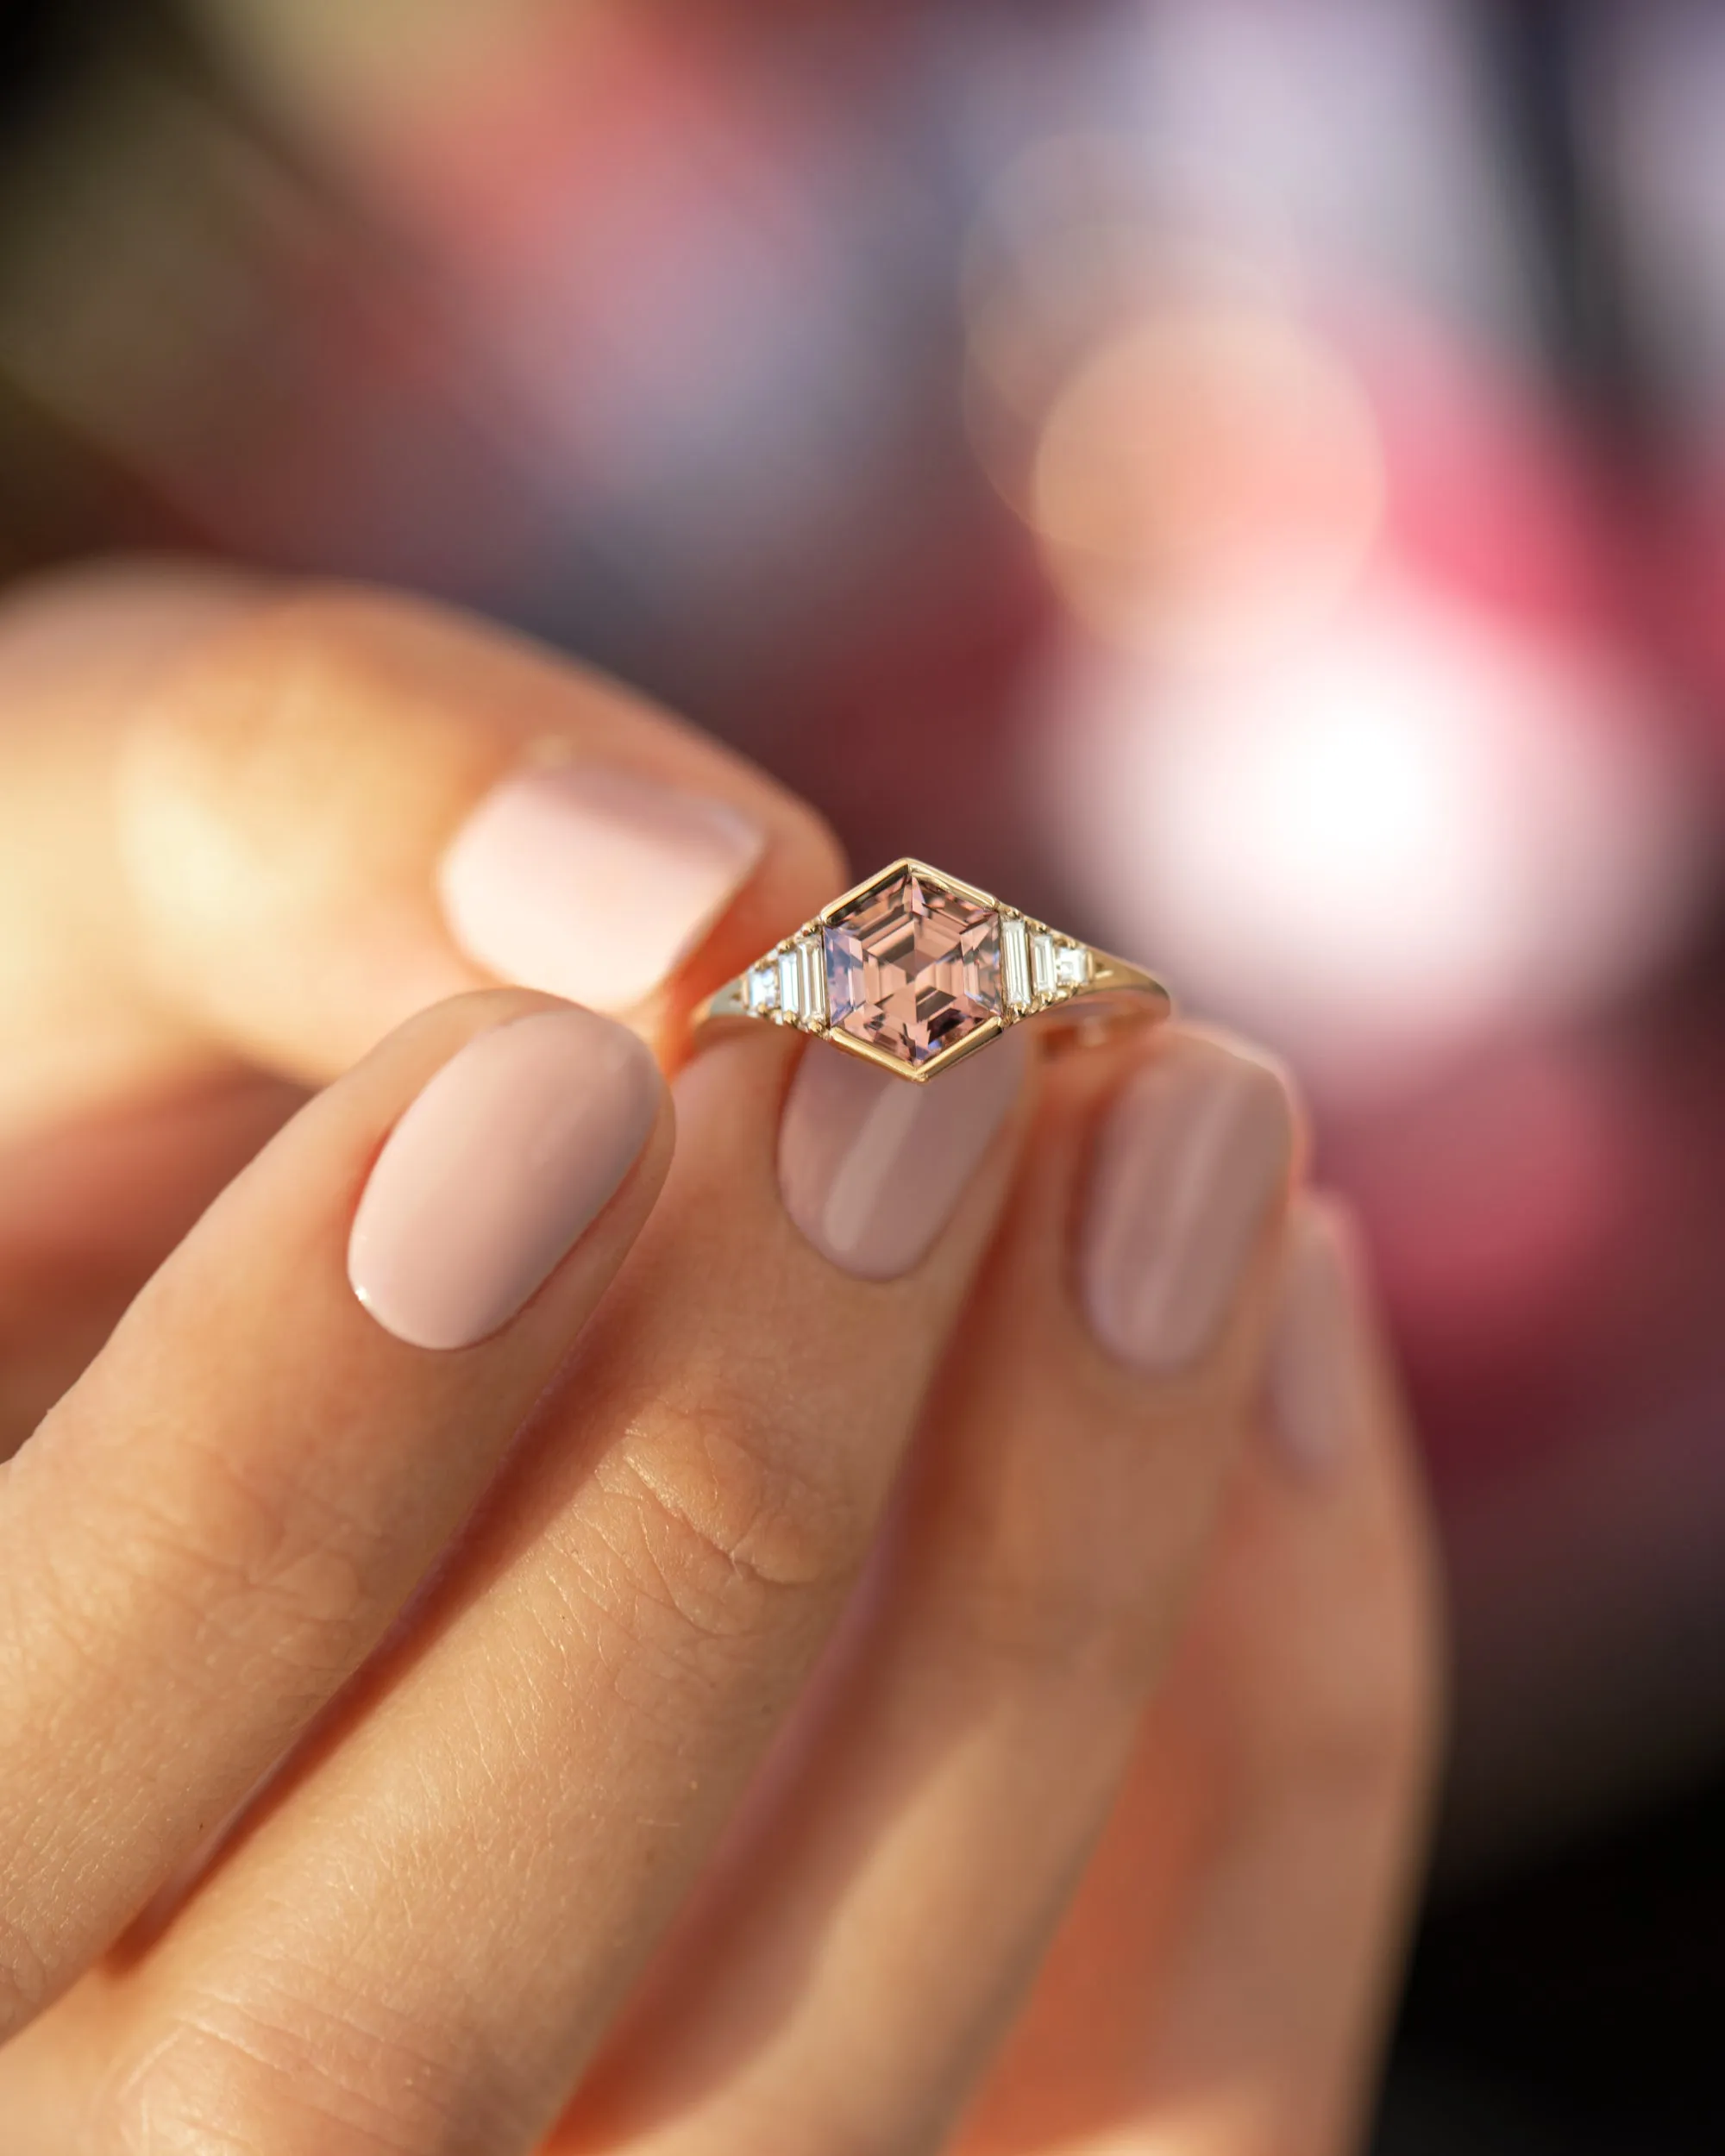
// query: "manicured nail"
[[871, 1168], [491, 1174], [592, 883], [1316, 1373], [1190, 1159]]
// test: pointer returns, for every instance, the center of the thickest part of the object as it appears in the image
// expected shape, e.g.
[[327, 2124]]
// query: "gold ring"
[[915, 971]]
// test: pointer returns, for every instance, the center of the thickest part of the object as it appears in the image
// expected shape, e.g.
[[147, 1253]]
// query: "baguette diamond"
[[812, 962], [1015, 961], [790, 984]]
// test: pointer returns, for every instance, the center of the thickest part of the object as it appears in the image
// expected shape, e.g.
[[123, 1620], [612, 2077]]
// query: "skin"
[[857, 1717]]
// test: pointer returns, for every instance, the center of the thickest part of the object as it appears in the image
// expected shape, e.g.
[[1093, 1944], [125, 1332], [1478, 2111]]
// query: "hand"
[[689, 1655]]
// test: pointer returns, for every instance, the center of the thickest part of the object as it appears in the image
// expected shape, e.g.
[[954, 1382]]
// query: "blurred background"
[[1245, 477]]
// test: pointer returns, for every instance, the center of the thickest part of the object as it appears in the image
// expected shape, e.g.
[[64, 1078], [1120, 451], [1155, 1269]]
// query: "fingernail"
[[491, 1174], [1316, 1372], [1190, 1159], [872, 1168], [592, 883]]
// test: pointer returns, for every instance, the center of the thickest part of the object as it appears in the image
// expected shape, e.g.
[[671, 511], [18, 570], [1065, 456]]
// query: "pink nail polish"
[[590, 882], [872, 1168], [494, 1172], [1316, 1374], [1190, 1159]]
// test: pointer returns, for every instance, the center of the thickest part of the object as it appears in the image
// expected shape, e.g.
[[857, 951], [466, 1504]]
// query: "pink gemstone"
[[912, 968]]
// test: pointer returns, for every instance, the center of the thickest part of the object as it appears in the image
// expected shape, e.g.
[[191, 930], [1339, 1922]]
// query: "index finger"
[[279, 819], [213, 1529]]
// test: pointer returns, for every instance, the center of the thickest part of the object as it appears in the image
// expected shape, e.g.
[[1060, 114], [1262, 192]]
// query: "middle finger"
[[846, 1970]]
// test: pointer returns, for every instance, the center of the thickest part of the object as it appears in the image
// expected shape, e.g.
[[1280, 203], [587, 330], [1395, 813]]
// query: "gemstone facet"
[[913, 968]]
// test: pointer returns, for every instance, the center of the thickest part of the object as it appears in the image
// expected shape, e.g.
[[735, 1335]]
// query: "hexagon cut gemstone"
[[912, 968]]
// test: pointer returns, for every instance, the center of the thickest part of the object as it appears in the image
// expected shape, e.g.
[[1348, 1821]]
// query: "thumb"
[[276, 819]]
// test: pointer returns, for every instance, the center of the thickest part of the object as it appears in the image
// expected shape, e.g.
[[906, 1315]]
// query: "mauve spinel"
[[911, 968]]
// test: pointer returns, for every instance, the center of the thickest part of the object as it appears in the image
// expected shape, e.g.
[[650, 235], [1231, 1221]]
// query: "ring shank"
[[1116, 994]]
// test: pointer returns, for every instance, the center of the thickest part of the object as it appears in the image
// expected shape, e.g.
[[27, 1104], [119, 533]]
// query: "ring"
[[914, 970]]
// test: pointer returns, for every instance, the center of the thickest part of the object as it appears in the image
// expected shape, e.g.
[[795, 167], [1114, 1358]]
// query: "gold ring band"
[[915, 970]]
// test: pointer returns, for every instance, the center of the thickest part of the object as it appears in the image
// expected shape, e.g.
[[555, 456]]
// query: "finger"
[[853, 1965], [280, 819], [419, 1944], [1222, 1982], [215, 1525], [91, 1207]]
